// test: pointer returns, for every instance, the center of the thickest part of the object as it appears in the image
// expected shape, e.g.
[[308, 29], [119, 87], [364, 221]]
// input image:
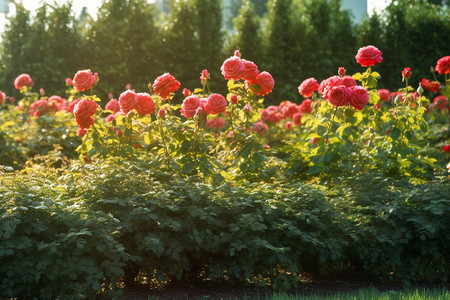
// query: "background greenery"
[[131, 42]]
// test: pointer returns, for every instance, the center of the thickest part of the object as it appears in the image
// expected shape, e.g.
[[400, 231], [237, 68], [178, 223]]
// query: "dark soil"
[[307, 287]]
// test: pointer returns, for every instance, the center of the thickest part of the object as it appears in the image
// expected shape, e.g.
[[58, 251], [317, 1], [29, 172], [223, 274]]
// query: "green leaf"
[[314, 170], [395, 133]]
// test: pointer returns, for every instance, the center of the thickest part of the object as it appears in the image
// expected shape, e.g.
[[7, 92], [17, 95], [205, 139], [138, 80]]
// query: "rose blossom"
[[190, 106], [359, 97], [2, 97], [83, 111], [440, 102], [81, 131], [289, 110], [288, 125], [339, 95], [250, 71], [328, 84], [385, 95], [271, 114], [233, 68], [145, 104], [57, 103], [128, 100], [348, 81], [165, 84], [84, 80], [69, 82], [216, 104], [234, 99], [265, 82], [446, 148], [186, 92], [215, 123], [443, 65], [307, 87], [23, 80], [113, 105], [162, 113], [368, 56], [39, 108], [406, 73], [429, 85], [259, 127], [297, 118], [306, 106]]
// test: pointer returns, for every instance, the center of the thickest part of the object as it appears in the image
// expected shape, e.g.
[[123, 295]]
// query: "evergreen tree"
[[247, 36]]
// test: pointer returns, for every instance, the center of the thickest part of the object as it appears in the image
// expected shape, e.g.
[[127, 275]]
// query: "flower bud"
[[406, 73], [341, 71], [162, 113], [234, 99]]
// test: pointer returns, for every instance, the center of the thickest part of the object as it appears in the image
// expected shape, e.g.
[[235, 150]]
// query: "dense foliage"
[[294, 39]]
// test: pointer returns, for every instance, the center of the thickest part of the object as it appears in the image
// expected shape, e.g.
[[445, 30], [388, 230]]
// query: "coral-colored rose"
[[2, 97], [259, 127], [429, 85], [406, 73], [69, 82], [113, 105], [128, 100], [84, 80], [216, 104], [271, 114], [368, 56], [446, 148], [328, 84], [83, 111], [440, 102], [443, 65], [216, 123], [57, 103], [289, 111], [288, 125], [190, 106], [23, 80], [145, 104], [39, 108], [306, 106], [186, 92], [385, 95], [263, 84], [233, 68], [297, 118], [165, 84], [307, 87], [339, 95], [348, 81], [250, 71], [359, 97]]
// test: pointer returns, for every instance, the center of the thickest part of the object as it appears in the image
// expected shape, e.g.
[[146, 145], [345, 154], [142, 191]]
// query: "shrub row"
[[108, 223]]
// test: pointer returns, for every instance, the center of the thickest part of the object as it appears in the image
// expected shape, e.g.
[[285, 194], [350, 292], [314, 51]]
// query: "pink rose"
[[113, 105], [406, 73], [57, 103], [69, 82], [233, 68], [272, 114], [39, 108], [297, 118], [145, 104], [216, 104], [288, 125], [306, 106], [443, 65], [165, 84], [23, 80], [263, 85], [348, 81], [84, 80], [290, 110], [2, 97], [385, 95], [250, 71], [339, 95], [83, 111], [368, 56], [359, 97], [216, 123], [190, 106], [328, 84], [186, 92], [128, 100], [259, 127], [307, 87]]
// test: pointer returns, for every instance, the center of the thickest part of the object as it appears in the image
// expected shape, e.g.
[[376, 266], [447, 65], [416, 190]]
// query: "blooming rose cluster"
[[236, 68], [286, 110], [142, 103], [213, 105], [428, 85], [51, 105], [340, 91], [83, 112]]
